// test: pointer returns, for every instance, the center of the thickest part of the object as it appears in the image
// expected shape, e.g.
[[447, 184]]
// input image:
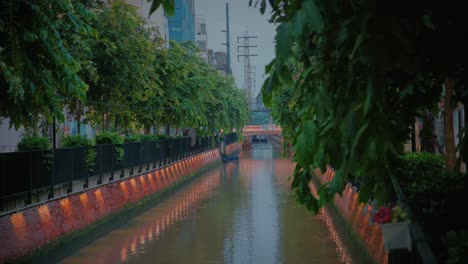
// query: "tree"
[[364, 70], [124, 56], [37, 67], [197, 92]]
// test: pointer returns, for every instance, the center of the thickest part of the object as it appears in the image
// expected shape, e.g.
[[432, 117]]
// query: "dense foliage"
[[37, 68], [28, 143], [82, 141], [102, 63], [108, 137], [437, 196], [353, 75]]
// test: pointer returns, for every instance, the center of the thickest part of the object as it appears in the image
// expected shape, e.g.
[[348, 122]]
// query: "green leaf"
[[306, 142]]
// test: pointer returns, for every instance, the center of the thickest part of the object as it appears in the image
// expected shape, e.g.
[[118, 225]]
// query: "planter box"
[[396, 235]]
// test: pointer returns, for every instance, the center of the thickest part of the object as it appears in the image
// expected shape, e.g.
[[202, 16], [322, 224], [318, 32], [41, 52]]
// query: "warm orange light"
[[150, 234], [19, 224], [157, 229], [133, 184], [133, 247], [123, 254], [142, 180], [64, 203], [84, 198], [123, 186], [44, 213], [99, 199], [335, 237]]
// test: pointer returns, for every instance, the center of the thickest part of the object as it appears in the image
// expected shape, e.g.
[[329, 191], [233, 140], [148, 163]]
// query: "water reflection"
[[137, 237], [237, 213]]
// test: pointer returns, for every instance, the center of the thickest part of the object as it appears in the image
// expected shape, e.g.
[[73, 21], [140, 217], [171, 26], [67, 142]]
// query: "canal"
[[234, 213]]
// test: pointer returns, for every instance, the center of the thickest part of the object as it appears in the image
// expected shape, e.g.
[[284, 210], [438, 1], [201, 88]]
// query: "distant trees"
[[101, 63]]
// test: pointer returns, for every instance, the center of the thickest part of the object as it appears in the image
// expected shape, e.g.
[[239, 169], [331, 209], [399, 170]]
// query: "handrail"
[[63, 166], [424, 250]]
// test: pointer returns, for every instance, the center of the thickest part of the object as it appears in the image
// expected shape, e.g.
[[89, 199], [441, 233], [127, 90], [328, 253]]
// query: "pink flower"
[[383, 216]]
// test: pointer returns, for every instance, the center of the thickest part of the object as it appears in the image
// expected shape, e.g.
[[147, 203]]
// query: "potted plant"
[[395, 227]]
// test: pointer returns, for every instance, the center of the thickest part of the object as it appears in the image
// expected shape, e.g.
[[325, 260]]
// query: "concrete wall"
[[9, 137], [34, 227]]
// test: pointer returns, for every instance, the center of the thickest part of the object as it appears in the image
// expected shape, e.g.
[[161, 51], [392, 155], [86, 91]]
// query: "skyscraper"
[[182, 23], [158, 19], [202, 37]]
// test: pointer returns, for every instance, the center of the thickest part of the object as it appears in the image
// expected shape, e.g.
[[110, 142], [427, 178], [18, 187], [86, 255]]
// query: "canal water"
[[239, 213]]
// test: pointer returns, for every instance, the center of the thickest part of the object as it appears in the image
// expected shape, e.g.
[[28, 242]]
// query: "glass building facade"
[[182, 23]]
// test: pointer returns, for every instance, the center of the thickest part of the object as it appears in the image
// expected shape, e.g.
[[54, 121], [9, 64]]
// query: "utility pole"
[[244, 51], [228, 42]]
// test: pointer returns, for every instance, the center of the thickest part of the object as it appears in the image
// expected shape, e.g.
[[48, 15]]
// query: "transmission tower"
[[243, 50]]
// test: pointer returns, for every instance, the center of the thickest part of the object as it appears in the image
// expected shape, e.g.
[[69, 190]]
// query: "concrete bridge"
[[266, 129], [271, 131]]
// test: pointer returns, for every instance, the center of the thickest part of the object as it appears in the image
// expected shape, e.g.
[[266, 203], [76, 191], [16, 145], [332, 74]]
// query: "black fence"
[[230, 138], [24, 173]]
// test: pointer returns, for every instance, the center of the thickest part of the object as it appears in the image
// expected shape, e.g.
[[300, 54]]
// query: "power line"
[[249, 79]]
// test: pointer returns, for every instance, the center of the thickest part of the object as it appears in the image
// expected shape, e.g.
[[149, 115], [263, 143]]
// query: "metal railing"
[[423, 250], [26, 172], [230, 138]]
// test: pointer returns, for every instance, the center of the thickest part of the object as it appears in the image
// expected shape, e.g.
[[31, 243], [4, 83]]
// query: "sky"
[[242, 17]]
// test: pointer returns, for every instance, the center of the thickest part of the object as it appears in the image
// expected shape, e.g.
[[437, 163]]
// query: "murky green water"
[[237, 213]]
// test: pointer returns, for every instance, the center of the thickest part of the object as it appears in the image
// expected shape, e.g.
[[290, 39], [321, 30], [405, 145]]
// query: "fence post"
[[140, 152], [29, 191], [52, 191], [2, 181]]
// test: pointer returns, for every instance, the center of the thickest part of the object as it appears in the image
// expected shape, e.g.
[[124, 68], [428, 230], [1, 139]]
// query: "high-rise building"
[[157, 20], [182, 23], [220, 60], [202, 37], [210, 56]]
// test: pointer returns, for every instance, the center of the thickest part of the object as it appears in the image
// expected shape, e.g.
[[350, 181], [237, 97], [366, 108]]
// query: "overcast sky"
[[242, 17]]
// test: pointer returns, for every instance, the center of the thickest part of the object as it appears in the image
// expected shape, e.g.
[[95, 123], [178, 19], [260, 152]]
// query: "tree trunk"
[[78, 118], [116, 123], [106, 119], [126, 126], [168, 131], [450, 148]]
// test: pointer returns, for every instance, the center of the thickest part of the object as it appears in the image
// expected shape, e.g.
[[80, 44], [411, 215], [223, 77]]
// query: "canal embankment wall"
[[37, 226], [357, 216]]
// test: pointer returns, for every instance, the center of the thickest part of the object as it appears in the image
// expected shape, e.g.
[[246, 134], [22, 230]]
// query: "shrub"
[[132, 138], [29, 143], [457, 242], [162, 136], [436, 196], [148, 137], [106, 137], [82, 141], [76, 141]]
